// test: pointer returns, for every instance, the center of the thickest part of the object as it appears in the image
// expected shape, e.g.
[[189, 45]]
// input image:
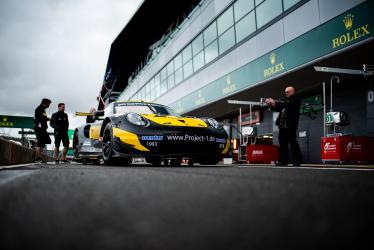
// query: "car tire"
[[108, 145], [96, 162], [209, 160], [190, 163], [155, 161], [175, 162], [76, 145], [108, 149]]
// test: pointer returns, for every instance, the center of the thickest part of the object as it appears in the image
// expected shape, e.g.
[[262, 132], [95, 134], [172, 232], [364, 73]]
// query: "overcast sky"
[[56, 49]]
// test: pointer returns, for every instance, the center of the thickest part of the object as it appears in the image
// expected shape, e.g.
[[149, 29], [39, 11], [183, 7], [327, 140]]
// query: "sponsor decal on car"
[[152, 138], [195, 138], [221, 140]]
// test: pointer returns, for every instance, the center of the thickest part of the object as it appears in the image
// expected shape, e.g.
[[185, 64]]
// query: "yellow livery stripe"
[[226, 147], [176, 121], [129, 138], [95, 132]]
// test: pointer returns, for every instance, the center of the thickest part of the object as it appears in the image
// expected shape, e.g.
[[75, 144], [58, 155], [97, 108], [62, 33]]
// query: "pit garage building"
[[195, 55]]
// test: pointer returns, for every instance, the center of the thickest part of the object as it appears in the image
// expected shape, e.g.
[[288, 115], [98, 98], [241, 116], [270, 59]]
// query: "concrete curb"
[[17, 166], [12, 153]]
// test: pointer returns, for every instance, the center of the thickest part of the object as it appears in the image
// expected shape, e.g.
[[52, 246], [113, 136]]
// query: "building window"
[[259, 1], [267, 11], [163, 74], [153, 89], [187, 69], [187, 54], [242, 7], [225, 21], [164, 87], [245, 26], [211, 52], [171, 81], [178, 61], [210, 34], [157, 85], [197, 44], [198, 61], [170, 68], [178, 75], [158, 90], [147, 92], [226, 41], [289, 3]]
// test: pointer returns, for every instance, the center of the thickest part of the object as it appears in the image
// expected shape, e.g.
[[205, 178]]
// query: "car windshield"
[[144, 108]]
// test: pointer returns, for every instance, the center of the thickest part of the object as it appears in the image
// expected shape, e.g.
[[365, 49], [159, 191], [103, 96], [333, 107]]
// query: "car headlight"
[[136, 119], [213, 123]]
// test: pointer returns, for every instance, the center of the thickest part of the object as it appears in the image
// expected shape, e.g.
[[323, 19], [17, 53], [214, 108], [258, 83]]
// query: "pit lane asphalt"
[[73, 206]]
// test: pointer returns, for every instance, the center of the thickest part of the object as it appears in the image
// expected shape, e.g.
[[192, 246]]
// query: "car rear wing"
[[84, 114]]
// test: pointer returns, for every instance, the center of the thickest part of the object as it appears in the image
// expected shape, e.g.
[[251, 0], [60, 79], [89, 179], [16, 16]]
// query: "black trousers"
[[288, 136]]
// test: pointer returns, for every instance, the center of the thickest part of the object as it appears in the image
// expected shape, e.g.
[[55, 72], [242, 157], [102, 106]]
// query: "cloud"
[[56, 49]]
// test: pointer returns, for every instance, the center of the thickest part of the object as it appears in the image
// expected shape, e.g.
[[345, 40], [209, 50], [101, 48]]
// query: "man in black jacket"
[[287, 121], [40, 128], [60, 122]]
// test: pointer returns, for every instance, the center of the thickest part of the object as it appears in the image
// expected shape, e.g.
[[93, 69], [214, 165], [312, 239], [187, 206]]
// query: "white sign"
[[247, 130]]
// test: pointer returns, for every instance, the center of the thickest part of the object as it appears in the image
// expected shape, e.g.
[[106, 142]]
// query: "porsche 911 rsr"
[[157, 133]]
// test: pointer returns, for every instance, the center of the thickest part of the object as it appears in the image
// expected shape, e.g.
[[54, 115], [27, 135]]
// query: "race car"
[[87, 147], [154, 132]]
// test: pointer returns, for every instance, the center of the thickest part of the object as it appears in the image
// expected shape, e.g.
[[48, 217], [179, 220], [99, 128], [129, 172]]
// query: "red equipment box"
[[262, 153], [347, 148]]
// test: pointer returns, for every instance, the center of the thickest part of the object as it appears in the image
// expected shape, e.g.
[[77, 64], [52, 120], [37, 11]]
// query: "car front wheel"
[[108, 149], [209, 160], [108, 144]]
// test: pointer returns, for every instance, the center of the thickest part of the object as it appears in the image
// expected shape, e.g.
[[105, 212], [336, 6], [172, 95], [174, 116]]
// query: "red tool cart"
[[347, 148], [262, 153]]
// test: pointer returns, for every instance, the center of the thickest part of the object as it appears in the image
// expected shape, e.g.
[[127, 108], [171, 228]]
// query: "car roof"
[[142, 102]]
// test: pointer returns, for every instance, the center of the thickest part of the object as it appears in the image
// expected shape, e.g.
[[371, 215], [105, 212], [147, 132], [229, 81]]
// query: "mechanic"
[[60, 122], [287, 121], [40, 128], [91, 119]]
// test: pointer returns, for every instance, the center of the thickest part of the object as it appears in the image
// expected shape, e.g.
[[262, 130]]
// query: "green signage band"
[[7, 121], [342, 31]]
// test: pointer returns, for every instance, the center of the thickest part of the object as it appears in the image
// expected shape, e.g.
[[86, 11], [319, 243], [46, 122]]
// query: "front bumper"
[[90, 149], [174, 143]]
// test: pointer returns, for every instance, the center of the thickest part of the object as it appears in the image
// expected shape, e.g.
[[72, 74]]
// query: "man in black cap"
[[60, 122], [40, 128], [287, 121]]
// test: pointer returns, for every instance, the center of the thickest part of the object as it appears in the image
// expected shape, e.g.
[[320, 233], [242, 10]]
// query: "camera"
[[263, 101]]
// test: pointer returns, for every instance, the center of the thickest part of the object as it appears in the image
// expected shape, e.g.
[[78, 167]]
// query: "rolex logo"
[[348, 21], [272, 58], [275, 68], [200, 98], [230, 87], [5, 118], [351, 34]]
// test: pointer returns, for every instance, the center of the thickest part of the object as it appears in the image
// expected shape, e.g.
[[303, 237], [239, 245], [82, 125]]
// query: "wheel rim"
[[107, 144]]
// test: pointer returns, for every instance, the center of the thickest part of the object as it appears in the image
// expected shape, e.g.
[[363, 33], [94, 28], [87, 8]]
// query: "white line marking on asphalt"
[[11, 176], [18, 165]]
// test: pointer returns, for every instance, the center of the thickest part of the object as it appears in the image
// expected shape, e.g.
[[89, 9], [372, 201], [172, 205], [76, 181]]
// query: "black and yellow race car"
[[155, 132]]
